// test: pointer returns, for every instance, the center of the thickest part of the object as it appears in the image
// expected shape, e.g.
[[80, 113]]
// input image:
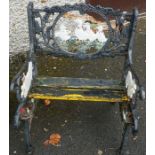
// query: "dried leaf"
[[47, 102], [55, 139]]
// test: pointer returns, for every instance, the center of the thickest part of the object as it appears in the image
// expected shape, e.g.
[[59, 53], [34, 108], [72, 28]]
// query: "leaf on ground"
[[47, 102], [54, 139]]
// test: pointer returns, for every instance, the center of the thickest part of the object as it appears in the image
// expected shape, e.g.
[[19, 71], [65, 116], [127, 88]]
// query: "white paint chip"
[[130, 85], [27, 79]]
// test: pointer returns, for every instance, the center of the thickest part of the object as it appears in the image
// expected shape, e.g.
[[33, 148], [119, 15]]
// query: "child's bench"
[[83, 38]]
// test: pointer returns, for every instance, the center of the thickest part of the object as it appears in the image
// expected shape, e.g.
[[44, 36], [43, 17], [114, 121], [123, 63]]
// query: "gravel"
[[19, 41]]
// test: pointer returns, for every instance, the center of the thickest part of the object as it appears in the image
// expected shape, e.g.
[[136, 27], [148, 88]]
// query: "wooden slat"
[[81, 83], [78, 97], [78, 89]]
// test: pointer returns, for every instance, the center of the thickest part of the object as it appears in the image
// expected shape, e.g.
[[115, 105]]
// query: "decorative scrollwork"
[[117, 27]]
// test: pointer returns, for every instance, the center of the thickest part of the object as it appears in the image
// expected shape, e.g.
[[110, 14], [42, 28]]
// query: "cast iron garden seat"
[[29, 86]]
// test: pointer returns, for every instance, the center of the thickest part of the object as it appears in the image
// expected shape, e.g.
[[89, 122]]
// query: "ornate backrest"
[[72, 31]]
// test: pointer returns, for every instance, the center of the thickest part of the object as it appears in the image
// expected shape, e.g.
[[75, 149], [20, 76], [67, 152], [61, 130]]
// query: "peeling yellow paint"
[[77, 97]]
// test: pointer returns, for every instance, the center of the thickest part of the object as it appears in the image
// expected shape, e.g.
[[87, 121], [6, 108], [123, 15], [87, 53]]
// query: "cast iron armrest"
[[21, 84], [129, 71]]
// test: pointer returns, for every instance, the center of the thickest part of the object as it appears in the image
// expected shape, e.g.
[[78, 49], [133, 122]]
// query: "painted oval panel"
[[80, 33]]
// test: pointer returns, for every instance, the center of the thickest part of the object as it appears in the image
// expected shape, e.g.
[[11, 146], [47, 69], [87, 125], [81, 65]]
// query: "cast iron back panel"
[[119, 38]]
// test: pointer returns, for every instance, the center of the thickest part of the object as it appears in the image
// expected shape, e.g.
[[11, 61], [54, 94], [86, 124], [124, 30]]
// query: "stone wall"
[[19, 41]]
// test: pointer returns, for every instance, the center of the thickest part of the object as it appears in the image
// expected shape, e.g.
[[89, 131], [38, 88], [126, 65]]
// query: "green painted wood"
[[79, 83], [60, 86]]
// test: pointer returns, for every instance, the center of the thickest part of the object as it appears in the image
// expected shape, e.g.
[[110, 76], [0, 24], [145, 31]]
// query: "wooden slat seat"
[[83, 89]]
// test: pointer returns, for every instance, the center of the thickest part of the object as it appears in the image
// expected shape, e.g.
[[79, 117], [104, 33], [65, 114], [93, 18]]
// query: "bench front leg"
[[127, 120], [26, 115], [27, 136], [125, 139], [130, 121]]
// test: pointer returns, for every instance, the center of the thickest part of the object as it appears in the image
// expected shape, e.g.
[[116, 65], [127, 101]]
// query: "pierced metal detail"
[[45, 22]]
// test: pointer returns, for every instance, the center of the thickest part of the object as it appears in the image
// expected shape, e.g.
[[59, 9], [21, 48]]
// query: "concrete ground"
[[85, 128]]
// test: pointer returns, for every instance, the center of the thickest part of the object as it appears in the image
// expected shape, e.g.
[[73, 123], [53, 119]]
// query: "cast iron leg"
[[27, 135], [127, 119], [27, 117], [124, 142]]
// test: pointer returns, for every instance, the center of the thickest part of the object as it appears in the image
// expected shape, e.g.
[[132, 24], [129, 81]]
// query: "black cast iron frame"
[[118, 49]]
